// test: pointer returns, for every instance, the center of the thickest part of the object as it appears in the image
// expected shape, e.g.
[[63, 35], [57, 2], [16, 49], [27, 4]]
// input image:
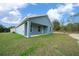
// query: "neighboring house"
[[34, 25], [12, 30]]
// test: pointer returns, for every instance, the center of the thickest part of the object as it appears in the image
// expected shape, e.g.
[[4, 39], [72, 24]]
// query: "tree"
[[1, 28], [56, 25], [72, 27], [4, 29], [75, 25], [69, 27]]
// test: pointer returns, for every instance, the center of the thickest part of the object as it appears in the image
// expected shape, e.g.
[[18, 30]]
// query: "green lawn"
[[52, 44]]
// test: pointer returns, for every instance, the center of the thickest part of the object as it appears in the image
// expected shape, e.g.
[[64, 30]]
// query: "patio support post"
[[28, 29]]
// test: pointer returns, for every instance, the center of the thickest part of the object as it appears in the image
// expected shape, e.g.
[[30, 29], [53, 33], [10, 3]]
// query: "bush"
[[56, 25]]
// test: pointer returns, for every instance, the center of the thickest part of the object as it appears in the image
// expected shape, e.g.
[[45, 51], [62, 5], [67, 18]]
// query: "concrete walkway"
[[60, 32], [75, 36]]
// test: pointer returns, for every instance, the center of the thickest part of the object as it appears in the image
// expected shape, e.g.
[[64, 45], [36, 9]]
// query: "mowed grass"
[[45, 45]]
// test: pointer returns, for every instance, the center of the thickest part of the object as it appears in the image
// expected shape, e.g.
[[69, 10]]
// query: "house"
[[34, 25], [12, 30]]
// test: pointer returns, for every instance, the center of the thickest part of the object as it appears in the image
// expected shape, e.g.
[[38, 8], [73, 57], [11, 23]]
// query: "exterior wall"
[[21, 29], [41, 20]]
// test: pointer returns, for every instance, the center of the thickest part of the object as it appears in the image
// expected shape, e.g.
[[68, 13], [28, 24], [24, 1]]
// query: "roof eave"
[[27, 19]]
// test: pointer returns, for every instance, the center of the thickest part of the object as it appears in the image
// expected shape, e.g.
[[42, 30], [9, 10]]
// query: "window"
[[39, 28]]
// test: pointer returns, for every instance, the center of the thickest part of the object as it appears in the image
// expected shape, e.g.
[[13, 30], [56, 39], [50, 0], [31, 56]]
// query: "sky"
[[11, 14]]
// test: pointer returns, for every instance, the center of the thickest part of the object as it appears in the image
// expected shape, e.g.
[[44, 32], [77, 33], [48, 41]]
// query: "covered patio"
[[32, 28]]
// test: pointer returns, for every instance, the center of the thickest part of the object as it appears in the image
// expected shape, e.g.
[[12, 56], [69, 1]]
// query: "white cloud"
[[33, 4], [1, 8], [65, 8], [11, 10], [72, 13], [10, 21], [59, 11], [10, 6], [15, 13], [53, 14], [31, 14], [14, 1], [77, 4]]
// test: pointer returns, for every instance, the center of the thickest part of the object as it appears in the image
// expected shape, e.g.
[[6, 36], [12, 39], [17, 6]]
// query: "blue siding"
[[41, 20]]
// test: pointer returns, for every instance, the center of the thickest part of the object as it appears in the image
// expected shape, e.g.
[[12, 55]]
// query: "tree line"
[[70, 27], [4, 29]]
